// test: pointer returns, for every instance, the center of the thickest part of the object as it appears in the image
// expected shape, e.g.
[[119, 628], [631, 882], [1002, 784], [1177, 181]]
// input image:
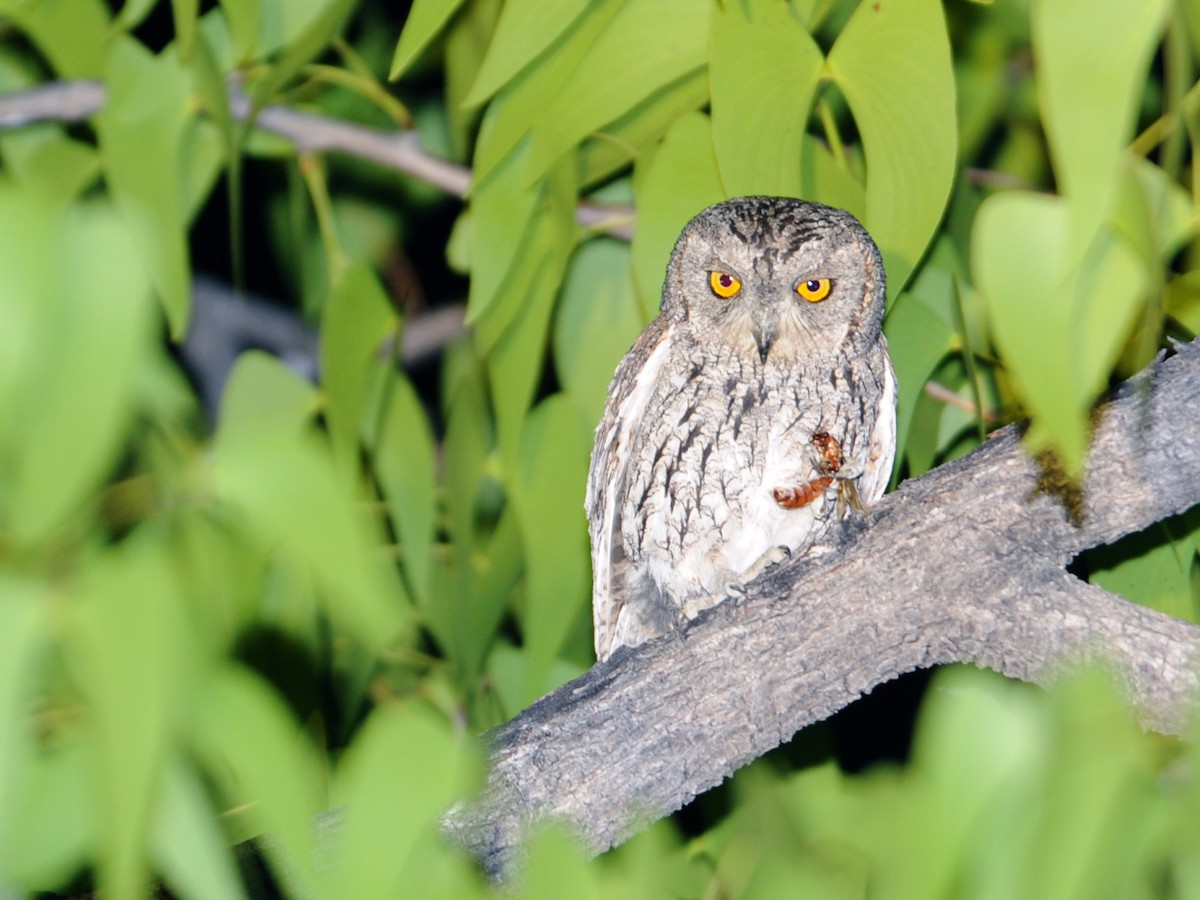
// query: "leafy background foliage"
[[213, 633]]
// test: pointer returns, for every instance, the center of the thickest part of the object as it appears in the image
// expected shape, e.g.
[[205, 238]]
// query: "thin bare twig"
[[399, 150]]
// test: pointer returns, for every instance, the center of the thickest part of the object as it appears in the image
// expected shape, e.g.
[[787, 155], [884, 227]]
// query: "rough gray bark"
[[965, 564]]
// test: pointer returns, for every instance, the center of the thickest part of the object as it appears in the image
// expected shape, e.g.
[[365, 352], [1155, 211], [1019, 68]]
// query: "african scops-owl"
[[756, 410]]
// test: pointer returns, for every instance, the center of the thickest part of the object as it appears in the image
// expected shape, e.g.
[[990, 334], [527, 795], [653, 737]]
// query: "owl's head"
[[776, 277]]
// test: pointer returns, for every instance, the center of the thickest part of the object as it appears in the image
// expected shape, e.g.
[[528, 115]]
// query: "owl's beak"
[[763, 329]]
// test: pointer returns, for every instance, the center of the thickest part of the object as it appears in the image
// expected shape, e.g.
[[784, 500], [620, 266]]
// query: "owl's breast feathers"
[[689, 454]]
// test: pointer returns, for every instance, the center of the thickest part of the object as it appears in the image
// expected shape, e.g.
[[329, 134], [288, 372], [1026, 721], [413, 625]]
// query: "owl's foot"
[[831, 452], [831, 463], [796, 497], [773, 557]]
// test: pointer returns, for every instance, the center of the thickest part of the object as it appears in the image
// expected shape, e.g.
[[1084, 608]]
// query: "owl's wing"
[[628, 397], [881, 452]]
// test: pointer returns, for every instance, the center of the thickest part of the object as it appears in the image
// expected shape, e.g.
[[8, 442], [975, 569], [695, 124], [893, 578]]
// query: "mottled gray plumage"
[[739, 425]]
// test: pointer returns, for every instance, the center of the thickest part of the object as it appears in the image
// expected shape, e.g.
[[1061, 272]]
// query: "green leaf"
[[22, 643], [1107, 292], [248, 742], [185, 13], [244, 21], [305, 30], [141, 131], [918, 339], [626, 138], [72, 35], [516, 354], [278, 479], [187, 845], [403, 458], [642, 48], [58, 167], [129, 647], [547, 494], [682, 179], [264, 393], [1091, 57], [132, 14], [555, 858], [525, 29], [821, 176], [50, 828], [467, 40], [598, 320], [1030, 315], [512, 113], [764, 70], [1153, 213], [1152, 567], [425, 21], [892, 63], [354, 324], [390, 807], [53, 472], [501, 210]]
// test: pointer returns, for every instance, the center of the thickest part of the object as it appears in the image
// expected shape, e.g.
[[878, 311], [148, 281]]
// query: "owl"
[[753, 413]]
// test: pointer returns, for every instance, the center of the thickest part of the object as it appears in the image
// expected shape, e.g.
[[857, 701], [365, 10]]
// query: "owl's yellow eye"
[[723, 284], [815, 289]]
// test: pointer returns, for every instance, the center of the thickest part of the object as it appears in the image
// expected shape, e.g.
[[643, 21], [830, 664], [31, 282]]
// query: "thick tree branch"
[[965, 564]]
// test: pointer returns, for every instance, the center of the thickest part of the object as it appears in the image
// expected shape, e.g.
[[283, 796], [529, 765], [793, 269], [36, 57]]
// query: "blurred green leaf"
[[262, 392], [556, 859], [892, 63], [1017, 232], [282, 484], [53, 825], [1091, 58], [598, 320], [22, 642], [355, 322], [185, 13], [918, 339], [525, 29], [141, 131], [403, 459], [757, 48], [244, 18], [57, 167], [425, 20], [53, 470], [642, 48], [247, 741], [397, 779], [682, 179], [186, 843], [73, 35], [302, 30], [129, 648], [133, 13], [547, 495], [1152, 213], [1111, 289]]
